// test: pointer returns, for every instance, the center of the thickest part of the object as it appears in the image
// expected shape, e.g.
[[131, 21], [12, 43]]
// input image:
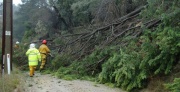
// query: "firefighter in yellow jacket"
[[44, 50], [33, 58]]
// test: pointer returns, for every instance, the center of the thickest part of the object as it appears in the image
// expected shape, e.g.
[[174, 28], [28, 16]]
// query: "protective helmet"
[[17, 42], [44, 42], [32, 45]]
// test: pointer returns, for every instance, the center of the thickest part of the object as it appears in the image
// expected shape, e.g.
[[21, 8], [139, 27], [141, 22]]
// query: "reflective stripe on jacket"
[[33, 56]]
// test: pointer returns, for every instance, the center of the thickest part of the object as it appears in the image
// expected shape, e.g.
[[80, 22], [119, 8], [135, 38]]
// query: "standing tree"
[[30, 12]]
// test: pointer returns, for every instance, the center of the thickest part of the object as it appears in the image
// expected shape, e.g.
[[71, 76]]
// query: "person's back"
[[44, 50], [32, 54], [33, 58]]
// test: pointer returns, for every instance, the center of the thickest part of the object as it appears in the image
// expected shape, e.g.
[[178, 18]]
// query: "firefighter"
[[33, 58], [44, 51], [16, 46]]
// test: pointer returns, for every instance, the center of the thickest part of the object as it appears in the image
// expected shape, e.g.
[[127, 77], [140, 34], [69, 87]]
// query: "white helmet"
[[32, 45], [17, 42]]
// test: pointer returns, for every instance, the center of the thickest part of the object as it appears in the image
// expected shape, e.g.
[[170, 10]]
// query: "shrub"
[[175, 86]]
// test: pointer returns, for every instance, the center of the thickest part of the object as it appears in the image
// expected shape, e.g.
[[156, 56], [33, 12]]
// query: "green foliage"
[[41, 28], [126, 67], [58, 41], [28, 15], [83, 11], [61, 61], [28, 34], [175, 86], [91, 64], [132, 65], [129, 67], [122, 68], [64, 7], [160, 9], [19, 57], [66, 73]]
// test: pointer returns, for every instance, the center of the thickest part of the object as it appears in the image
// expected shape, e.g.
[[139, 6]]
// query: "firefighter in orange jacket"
[[44, 50], [16, 46]]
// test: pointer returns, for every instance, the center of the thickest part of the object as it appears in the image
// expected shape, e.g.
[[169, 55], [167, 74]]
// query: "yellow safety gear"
[[44, 50], [33, 56], [32, 69]]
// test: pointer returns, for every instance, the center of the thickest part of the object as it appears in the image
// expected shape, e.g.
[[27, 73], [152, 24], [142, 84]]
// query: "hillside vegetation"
[[122, 43]]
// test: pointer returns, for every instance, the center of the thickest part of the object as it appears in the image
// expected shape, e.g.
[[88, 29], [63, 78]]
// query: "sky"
[[16, 2]]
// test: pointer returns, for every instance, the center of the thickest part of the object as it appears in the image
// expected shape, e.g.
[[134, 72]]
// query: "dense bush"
[[19, 57], [60, 61], [175, 86]]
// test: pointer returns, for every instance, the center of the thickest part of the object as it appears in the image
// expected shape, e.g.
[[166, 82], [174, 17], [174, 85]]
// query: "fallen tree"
[[128, 25]]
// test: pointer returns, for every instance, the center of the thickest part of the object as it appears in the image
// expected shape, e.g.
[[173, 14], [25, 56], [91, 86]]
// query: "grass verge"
[[11, 82]]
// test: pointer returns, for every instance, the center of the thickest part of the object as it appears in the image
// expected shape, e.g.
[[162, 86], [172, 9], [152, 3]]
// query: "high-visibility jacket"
[[33, 56], [43, 49]]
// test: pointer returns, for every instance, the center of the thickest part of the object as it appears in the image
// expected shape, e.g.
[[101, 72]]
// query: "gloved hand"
[[50, 55]]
